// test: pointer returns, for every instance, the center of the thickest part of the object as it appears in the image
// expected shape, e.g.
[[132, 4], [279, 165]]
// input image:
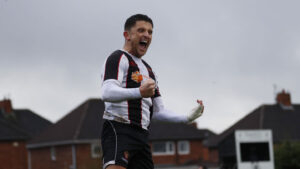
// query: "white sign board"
[[254, 149]]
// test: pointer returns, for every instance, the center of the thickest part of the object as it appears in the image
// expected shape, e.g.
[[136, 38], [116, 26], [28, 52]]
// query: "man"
[[131, 96]]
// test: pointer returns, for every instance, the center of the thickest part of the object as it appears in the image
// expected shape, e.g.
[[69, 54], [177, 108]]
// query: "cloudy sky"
[[232, 54]]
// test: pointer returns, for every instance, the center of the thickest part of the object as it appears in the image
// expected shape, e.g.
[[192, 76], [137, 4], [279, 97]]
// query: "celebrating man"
[[132, 97]]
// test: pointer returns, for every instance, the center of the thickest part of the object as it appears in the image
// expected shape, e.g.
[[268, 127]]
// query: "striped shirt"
[[122, 75]]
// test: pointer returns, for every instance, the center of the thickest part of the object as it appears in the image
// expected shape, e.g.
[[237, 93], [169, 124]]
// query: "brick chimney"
[[194, 124], [284, 98], [6, 106]]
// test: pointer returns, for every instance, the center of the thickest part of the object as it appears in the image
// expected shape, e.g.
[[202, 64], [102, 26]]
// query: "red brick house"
[[17, 126], [71, 143], [180, 144], [282, 118], [74, 141]]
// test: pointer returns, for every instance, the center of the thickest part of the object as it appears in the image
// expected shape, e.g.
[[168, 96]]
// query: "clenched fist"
[[147, 88], [196, 112]]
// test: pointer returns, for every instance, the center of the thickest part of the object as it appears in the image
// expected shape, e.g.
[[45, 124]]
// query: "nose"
[[147, 34]]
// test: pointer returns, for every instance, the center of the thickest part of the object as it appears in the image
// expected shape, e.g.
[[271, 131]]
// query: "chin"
[[142, 53]]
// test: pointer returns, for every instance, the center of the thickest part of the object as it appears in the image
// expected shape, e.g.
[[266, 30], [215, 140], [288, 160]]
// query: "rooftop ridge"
[[83, 115], [227, 131], [261, 116]]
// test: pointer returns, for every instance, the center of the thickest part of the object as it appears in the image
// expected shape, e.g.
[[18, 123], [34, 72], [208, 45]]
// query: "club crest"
[[137, 77]]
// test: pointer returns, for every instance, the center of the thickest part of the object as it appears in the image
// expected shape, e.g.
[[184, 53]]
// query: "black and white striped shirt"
[[122, 75]]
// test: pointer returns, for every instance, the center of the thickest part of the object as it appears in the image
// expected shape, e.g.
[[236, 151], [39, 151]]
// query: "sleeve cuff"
[[136, 93]]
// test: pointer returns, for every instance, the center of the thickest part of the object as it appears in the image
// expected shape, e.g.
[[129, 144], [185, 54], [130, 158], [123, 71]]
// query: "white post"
[[29, 159], [74, 157]]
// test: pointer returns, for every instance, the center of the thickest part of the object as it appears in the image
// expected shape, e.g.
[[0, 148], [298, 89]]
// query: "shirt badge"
[[137, 77]]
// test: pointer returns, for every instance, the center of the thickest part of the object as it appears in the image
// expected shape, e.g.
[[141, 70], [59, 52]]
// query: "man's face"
[[139, 38]]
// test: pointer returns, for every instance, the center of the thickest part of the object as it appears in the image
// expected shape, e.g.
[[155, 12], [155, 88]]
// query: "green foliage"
[[287, 155]]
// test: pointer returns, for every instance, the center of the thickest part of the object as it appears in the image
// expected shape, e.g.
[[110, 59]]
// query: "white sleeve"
[[111, 91], [112, 75], [160, 113]]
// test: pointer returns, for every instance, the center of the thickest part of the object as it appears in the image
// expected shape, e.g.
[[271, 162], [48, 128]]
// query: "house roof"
[[284, 123], [11, 132], [22, 123], [32, 123], [160, 130], [84, 124]]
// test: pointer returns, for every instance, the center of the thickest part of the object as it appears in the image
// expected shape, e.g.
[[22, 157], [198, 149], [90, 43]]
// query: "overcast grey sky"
[[228, 53]]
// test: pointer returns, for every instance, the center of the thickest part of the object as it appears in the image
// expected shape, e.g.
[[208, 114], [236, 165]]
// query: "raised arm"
[[160, 113], [113, 92]]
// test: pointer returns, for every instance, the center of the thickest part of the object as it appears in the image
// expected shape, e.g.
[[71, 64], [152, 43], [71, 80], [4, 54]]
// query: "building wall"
[[164, 159], [214, 155], [197, 153], [41, 158], [13, 155], [85, 159]]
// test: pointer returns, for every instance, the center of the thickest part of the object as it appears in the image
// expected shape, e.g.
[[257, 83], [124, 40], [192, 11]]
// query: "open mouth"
[[143, 44]]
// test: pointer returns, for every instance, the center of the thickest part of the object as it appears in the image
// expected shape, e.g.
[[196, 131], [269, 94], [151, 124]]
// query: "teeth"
[[144, 42]]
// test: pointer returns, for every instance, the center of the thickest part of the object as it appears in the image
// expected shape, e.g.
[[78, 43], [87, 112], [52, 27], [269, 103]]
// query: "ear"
[[126, 35]]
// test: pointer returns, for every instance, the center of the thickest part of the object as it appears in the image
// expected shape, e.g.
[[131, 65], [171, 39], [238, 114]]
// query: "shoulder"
[[116, 55], [146, 64], [115, 65]]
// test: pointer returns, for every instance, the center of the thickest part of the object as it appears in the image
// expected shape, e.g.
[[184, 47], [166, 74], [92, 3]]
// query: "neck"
[[128, 49]]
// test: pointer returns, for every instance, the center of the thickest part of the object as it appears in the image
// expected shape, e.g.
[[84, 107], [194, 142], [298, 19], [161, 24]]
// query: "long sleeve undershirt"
[[111, 91]]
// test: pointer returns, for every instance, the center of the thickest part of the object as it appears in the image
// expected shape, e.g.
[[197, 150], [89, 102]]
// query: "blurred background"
[[234, 55]]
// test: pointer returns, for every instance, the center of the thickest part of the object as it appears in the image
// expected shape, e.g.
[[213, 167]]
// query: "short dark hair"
[[131, 21]]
